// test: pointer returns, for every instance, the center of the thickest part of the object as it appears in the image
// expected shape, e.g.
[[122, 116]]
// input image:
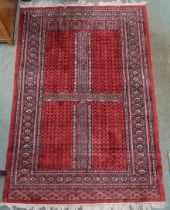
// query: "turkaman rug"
[[83, 126]]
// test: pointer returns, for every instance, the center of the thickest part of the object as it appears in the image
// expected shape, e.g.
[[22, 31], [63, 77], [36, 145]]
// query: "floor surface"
[[159, 23]]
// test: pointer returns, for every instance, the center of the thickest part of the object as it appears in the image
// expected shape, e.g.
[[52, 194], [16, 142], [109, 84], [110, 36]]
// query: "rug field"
[[83, 123]]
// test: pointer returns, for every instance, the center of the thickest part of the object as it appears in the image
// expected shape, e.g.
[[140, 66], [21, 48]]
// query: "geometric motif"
[[83, 126]]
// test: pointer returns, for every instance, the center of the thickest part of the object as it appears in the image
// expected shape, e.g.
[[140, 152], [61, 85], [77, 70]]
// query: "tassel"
[[41, 3], [100, 206]]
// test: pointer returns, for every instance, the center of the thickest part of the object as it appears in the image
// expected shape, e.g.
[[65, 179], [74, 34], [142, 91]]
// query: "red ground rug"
[[84, 126]]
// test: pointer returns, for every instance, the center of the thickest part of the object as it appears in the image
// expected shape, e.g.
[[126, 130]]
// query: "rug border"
[[154, 107], [153, 99], [13, 107]]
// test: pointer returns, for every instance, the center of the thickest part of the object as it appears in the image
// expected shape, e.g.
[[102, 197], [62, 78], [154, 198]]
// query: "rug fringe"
[[41, 3], [115, 206]]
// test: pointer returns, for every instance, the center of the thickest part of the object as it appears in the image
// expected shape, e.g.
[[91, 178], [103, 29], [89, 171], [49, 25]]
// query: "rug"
[[83, 124]]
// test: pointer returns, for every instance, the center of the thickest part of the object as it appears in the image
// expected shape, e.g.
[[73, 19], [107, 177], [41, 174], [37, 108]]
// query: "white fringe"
[[41, 3], [114, 206]]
